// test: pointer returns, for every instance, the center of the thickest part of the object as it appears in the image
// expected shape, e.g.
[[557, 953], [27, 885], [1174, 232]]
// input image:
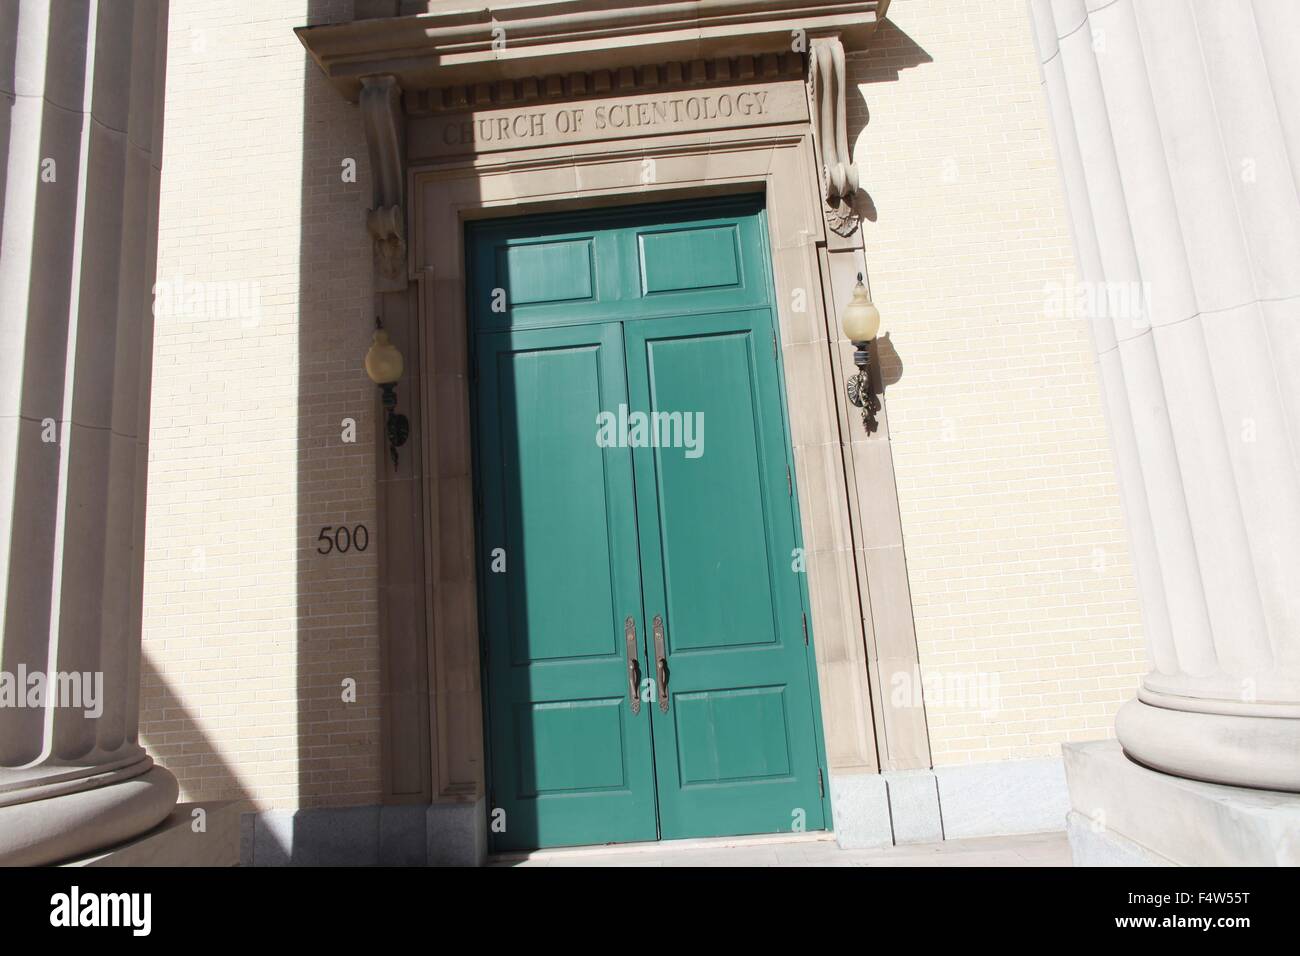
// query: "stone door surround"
[[605, 105]]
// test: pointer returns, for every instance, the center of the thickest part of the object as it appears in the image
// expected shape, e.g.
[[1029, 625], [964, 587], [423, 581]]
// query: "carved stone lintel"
[[381, 114], [827, 95]]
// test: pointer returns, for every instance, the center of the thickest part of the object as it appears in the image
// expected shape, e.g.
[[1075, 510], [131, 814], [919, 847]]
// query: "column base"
[[1239, 750], [1124, 814], [174, 842], [75, 824]]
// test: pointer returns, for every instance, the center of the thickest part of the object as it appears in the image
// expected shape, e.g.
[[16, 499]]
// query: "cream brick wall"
[[1015, 546], [1016, 549], [248, 633]]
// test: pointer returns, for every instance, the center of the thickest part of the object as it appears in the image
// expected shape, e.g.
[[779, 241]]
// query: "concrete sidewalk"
[[820, 849]]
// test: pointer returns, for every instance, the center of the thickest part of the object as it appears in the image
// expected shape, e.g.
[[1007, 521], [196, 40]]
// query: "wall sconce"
[[384, 366], [861, 322]]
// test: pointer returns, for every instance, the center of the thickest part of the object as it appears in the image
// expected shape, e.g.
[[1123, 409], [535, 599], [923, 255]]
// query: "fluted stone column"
[[81, 93], [1178, 130]]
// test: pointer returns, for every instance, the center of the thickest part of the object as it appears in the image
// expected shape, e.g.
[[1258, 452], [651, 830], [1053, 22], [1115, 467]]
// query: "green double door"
[[648, 669]]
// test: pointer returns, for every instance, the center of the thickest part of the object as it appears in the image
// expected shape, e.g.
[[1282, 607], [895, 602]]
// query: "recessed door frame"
[[776, 160]]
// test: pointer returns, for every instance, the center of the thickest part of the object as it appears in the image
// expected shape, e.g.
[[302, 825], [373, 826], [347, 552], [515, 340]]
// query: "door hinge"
[[805, 628], [821, 783], [774, 344], [789, 482]]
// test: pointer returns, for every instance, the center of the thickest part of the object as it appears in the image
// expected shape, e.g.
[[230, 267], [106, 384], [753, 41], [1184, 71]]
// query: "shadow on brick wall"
[[890, 52], [177, 741], [337, 626]]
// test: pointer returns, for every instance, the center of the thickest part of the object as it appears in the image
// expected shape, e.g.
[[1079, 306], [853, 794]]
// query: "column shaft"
[[1177, 132], [80, 133]]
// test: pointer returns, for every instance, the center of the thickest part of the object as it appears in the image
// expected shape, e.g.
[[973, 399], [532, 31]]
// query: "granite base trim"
[[949, 803], [860, 806], [397, 835], [870, 810], [456, 834], [914, 806], [1002, 798]]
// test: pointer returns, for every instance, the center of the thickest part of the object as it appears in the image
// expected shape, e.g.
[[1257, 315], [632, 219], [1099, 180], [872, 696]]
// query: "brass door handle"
[[661, 664], [633, 668]]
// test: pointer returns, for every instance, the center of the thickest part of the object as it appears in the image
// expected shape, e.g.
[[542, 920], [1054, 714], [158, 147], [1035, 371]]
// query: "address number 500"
[[342, 540]]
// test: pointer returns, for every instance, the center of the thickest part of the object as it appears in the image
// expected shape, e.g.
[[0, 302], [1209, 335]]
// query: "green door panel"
[[688, 259], [559, 569], [661, 314], [715, 559], [614, 265], [736, 749]]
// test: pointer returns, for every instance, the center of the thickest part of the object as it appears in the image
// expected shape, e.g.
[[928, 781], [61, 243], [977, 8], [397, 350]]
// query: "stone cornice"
[[452, 45]]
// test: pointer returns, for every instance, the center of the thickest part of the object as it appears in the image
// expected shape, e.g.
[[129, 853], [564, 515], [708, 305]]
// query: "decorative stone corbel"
[[827, 95], [381, 114]]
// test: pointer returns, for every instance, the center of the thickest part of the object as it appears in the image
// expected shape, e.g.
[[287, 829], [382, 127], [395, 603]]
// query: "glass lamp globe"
[[861, 319], [383, 361]]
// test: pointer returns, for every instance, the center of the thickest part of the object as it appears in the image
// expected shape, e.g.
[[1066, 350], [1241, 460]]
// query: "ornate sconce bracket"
[[858, 387], [396, 425], [381, 113], [828, 95]]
